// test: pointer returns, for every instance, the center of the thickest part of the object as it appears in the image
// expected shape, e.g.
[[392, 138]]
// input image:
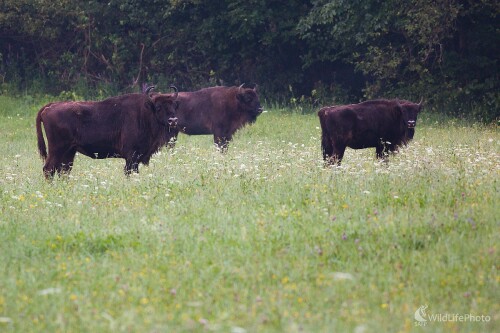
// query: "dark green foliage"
[[340, 51]]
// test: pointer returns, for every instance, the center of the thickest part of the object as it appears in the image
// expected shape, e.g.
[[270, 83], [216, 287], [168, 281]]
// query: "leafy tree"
[[237, 41], [37, 37], [445, 50], [397, 45]]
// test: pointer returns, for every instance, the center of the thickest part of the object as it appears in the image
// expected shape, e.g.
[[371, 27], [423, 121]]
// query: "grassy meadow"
[[262, 239]]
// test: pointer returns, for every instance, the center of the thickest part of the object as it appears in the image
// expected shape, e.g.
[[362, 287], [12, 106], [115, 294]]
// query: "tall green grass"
[[263, 238]]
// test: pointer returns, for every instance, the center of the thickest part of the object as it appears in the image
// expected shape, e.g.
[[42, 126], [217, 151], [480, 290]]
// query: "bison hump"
[[348, 114]]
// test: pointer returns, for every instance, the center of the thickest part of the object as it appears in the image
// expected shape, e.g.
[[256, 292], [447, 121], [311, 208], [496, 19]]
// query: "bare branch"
[[140, 66]]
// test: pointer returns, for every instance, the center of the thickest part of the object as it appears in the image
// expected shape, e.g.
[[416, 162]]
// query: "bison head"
[[248, 101], [410, 114], [165, 106]]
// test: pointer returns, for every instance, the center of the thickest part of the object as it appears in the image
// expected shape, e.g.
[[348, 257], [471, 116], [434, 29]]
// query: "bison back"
[[195, 112]]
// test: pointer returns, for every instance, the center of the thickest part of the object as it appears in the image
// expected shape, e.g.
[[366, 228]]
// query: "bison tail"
[[42, 149]]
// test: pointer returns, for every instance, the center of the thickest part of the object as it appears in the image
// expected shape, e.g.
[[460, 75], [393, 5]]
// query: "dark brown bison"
[[219, 111], [132, 126], [383, 124]]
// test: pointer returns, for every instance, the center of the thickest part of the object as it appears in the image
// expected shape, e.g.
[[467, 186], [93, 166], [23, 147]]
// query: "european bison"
[[132, 126], [220, 111], [383, 124]]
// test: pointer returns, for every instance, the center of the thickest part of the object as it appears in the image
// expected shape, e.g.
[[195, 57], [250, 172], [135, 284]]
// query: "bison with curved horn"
[[219, 111], [131, 126]]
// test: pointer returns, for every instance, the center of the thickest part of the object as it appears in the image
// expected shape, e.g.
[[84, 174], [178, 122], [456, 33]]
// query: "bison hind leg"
[[62, 169], [62, 163], [48, 172], [338, 153], [326, 147], [51, 165]]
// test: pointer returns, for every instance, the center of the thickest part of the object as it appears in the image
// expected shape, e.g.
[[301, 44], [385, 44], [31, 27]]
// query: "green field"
[[262, 239]]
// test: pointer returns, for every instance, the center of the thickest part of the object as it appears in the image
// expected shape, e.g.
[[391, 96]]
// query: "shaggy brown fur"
[[132, 126], [383, 124]]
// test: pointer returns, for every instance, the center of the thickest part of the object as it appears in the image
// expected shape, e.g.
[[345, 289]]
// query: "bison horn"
[[239, 88], [175, 89], [421, 101], [148, 89]]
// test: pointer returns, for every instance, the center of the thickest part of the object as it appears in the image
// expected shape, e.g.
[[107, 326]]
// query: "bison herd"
[[135, 126]]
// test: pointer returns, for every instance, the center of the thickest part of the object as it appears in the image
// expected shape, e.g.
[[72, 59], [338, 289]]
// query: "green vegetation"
[[263, 238], [320, 50]]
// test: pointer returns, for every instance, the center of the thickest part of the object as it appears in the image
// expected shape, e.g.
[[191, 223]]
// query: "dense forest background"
[[318, 51]]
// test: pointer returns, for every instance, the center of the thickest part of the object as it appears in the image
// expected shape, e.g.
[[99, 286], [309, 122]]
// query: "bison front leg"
[[222, 143], [381, 151], [393, 148], [173, 140], [171, 143], [132, 164]]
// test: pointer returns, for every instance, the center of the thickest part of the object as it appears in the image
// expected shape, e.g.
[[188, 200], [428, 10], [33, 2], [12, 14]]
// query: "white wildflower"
[[49, 291], [342, 276], [237, 329]]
